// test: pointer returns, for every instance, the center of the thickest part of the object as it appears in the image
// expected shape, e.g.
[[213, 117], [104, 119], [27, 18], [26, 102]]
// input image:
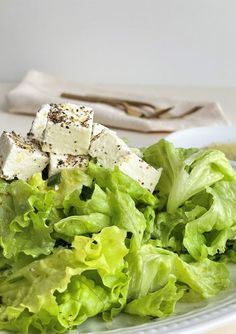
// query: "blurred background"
[[141, 42]]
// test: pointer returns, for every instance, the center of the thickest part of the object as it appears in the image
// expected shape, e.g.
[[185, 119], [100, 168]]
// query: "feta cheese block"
[[97, 129], [19, 157], [139, 170], [106, 146], [39, 124], [137, 151], [62, 161], [110, 151], [68, 129]]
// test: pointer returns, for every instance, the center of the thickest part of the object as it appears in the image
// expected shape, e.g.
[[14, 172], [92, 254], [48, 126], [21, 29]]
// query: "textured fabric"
[[38, 88]]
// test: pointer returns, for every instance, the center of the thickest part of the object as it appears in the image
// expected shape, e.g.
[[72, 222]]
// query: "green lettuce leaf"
[[78, 225], [25, 220], [42, 294], [81, 300], [117, 180], [36, 182], [98, 203], [160, 303], [170, 227], [150, 269], [186, 172], [229, 256], [150, 230], [71, 180], [208, 234], [104, 209], [126, 216]]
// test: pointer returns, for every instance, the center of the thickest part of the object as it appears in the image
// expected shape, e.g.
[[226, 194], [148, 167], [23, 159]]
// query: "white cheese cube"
[[20, 158], [106, 146], [110, 151], [68, 129], [137, 151], [62, 161], [139, 170], [39, 124], [97, 129]]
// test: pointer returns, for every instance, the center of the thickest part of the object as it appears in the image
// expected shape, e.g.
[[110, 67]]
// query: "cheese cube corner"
[[106, 146], [19, 157], [39, 124], [146, 175]]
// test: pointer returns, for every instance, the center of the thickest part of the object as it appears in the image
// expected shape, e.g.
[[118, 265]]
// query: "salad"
[[90, 227]]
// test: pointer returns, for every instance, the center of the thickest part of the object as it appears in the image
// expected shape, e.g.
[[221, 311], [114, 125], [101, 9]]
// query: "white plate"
[[201, 137], [191, 318]]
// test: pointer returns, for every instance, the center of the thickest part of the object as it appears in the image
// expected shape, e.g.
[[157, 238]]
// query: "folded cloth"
[[38, 88]]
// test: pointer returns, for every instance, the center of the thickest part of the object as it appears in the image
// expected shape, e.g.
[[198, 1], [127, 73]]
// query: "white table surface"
[[226, 96]]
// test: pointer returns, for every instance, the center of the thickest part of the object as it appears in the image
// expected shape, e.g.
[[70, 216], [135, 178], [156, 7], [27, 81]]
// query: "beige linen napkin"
[[38, 88]]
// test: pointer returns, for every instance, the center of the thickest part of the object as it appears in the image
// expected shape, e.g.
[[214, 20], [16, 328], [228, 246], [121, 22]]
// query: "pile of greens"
[[95, 242]]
